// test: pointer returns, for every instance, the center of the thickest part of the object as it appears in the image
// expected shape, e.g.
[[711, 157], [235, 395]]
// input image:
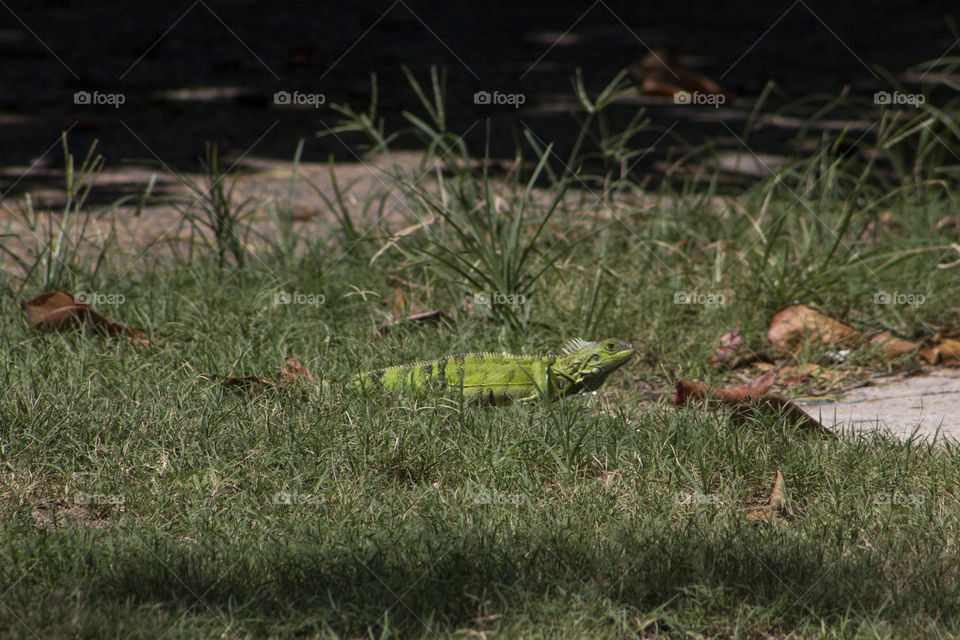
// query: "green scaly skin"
[[491, 378]]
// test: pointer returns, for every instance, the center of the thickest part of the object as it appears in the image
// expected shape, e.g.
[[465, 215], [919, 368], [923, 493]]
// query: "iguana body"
[[496, 379]]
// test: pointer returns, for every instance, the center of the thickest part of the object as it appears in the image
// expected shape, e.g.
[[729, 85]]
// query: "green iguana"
[[492, 378]]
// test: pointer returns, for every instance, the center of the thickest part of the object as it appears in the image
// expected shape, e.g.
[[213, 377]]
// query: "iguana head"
[[585, 365]]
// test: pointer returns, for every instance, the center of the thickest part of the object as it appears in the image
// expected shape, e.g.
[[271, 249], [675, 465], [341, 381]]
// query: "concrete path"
[[930, 401]]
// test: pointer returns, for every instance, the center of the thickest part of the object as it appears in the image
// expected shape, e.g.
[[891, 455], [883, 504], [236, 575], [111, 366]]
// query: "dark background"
[[248, 50]]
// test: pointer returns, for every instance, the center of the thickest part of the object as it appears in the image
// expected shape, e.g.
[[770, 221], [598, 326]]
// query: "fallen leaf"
[[949, 351], [694, 390], [776, 505], [778, 497], [750, 402], [945, 351], [662, 75], [726, 349], [893, 347], [60, 311], [293, 370], [779, 405], [398, 301], [794, 325]]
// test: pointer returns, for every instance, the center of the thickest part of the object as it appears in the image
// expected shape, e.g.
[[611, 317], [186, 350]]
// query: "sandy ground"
[[922, 406]]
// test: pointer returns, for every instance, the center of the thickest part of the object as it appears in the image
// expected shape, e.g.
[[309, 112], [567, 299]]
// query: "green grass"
[[141, 500]]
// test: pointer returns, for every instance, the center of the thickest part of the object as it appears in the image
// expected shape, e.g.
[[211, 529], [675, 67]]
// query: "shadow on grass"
[[443, 581]]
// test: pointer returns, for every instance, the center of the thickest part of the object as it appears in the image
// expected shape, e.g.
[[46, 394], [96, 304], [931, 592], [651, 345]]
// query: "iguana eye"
[[611, 346]]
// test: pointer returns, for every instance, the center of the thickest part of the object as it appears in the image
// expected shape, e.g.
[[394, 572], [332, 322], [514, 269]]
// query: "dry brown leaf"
[[750, 401], [779, 405], [949, 352], [893, 347], [945, 351], [794, 325], [778, 497], [59, 311], [663, 75], [791, 326], [696, 391], [399, 300], [726, 349], [775, 507], [293, 370]]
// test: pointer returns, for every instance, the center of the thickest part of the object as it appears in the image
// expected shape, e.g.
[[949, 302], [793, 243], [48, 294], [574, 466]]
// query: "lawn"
[[142, 499]]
